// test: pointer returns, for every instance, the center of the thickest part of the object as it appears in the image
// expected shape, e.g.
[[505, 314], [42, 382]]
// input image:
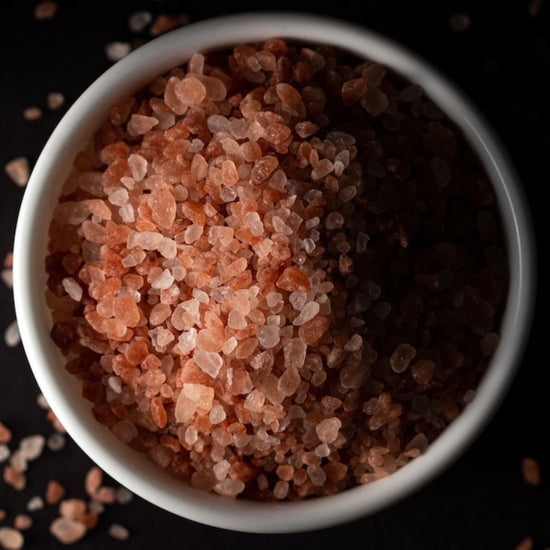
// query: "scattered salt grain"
[[18, 170], [55, 100], [67, 530], [530, 470], [123, 495], [32, 113], [22, 522], [41, 402], [56, 442], [117, 50], [11, 335], [45, 10], [35, 503], [5, 433], [32, 446], [11, 539], [4, 452], [118, 532], [54, 493], [7, 277], [138, 20]]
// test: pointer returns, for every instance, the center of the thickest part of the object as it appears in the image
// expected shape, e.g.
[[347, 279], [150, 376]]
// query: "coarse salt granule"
[[139, 20], [67, 530], [12, 337], [118, 532], [32, 113], [55, 100], [11, 539], [117, 50], [18, 170]]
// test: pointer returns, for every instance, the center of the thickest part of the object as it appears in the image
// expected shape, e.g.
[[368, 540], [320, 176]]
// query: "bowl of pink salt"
[[273, 272]]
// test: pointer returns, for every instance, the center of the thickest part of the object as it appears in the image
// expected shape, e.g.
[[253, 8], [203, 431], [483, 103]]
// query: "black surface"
[[502, 62]]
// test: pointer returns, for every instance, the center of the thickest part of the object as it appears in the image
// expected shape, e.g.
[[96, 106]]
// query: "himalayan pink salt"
[[191, 90], [22, 522], [31, 446], [45, 10], [401, 358], [140, 124], [289, 381], [118, 532], [327, 430], [125, 430], [193, 398], [5, 433], [117, 50], [55, 100], [32, 113], [254, 401], [268, 336], [18, 170], [308, 312], [11, 539], [66, 530]]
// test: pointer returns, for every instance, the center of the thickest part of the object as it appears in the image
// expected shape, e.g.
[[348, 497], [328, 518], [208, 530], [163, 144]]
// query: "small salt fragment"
[[55, 442], [32, 113], [55, 100], [307, 313], [118, 532], [22, 522], [138, 20], [208, 362], [41, 402], [401, 357], [123, 495], [54, 493], [327, 430], [18, 461], [67, 530], [5, 433], [11, 335], [4, 452], [117, 50], [45, 10], [7, 277], [140, 124], [459, 22], [72, 288], [18, 170], [35, 503], [11, 539], [530, 471], [167, 22]]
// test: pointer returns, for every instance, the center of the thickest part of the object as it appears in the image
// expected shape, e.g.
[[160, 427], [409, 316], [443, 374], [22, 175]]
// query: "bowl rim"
[[242, 515]]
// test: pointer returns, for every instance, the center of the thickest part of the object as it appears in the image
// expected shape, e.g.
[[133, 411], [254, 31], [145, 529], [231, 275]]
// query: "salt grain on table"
[[11, 539], [55, 100], [67, 530], [118, 532], [12, 337], [18, 170], [117, 50]]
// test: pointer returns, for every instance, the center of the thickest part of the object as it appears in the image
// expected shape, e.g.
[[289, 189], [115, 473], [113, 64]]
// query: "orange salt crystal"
[[530, 470], [194, 211], [126, 310], [292, 279], [5, 434], [158, 412], [18, 170]]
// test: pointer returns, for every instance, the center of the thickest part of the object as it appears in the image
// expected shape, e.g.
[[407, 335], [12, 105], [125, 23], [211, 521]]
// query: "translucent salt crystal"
[[140, 124], [32, 446], [274, 299], [163, 281], [55, 100], [489, 344], [66, 530], [32, 113], [18, 170], [354, 343], [118, 532], [22, 522], [209, 362], [229, 345], [193, 233], [117, 50], [123, 495], [308, 312], [125, 430], [254, 401], [217, 414], [11, 335], [179, 272], [221, 469], [126, 213], [334, 220], [72, 288], [289, 381], [187, 341], [230, 487], [18, 461], [7, 277], [401, 357], [11, 539], [201, 296], [327, 430], [236, 320], [55, 441], [196, 64], [268, 336], [119, 196], [309, 245], [138, 20], [35, 503], [218, 123], [294, 352], [138, 166], [5, 452]]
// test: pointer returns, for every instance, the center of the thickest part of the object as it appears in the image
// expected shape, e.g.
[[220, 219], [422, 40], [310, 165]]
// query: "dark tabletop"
[[502, 61]]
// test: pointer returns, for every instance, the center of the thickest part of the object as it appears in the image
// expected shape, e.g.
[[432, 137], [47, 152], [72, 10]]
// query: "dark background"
[[502, 62]]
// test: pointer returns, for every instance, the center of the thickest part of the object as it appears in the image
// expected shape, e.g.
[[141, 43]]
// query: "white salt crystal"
[[31, 446], [35, 503], [308, 312], [118, 532], [72, 288], [11, 335], [117, 50], [4, 452], [56, 442], [209, 362], [123, 495], [138, 20]]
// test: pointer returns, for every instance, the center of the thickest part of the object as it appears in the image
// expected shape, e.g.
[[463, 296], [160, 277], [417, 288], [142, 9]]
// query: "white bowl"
[[134, 470]]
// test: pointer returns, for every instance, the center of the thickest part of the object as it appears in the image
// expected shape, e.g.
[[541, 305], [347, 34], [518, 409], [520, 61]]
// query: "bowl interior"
[[62, 390]]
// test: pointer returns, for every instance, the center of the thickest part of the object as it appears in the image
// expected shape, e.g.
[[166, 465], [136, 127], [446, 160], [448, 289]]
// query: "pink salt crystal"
[[401, 357], [11, 539], [294, 352], [196, 64], [21, 522], [191, 90], [31, 446], [32, 113], [236, 320], [118, 532], [327, 430], [354, 343], [268, 336], [140, 124], [148, 240], [193, 398], [308, 312], [45, 10], [323, 169], [125, 430], [280, 489], [67, 531], [72, 288], [419, 441], [11, 335], [217, 414], [18, 170], [254, 401], [117, 50], [138, 166], [230, 487], [73, 508], [289, 381], [164, 280], [374, 101]]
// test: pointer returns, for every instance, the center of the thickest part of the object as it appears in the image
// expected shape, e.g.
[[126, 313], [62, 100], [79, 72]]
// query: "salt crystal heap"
[[234, 275]]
